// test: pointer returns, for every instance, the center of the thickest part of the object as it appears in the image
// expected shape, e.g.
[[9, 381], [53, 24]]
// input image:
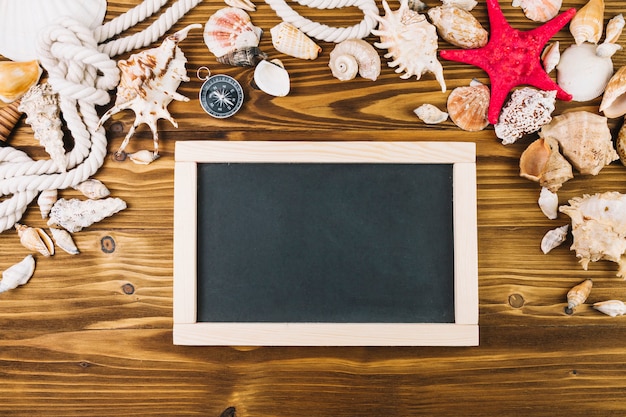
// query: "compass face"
[[221, 96]]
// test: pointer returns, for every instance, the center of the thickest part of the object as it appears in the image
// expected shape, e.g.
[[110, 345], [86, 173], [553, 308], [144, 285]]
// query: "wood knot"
[[516, 300], [128, 288], [107, 244], [229, 412], [117, 128]]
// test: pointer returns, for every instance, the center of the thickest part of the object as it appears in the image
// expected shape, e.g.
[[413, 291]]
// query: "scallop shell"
[[17, 274], [35, 239], [272, 78], [229, 29], [21, 21], [93, 188], [243, 57], [291, 41], [542, 162], [539, 10], [583, 73], [611, 308], [430, 114], [551, 56], [17, 77], [614, 99], [352, 57], [585, 140], [458, 26], [554, 238], [9, 116], [74, 215], [526, 111], [411, 42], [46, 200], [468, 106], [586, 25], [242, 4], [578, 295], [64, 240], [548, 203]]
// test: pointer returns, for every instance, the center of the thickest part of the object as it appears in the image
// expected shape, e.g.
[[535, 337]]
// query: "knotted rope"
[[81, 71]]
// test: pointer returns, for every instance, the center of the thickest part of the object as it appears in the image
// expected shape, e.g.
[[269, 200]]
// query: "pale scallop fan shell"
[[229, 29], [458, 26], [291, 41], [352, 57], [468, 106], [539, 10], [22, 20], [586, 25]]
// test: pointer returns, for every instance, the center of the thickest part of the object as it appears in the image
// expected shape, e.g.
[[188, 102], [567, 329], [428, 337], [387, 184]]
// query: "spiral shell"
[[17, 274], [430, 114], [35, 239], [46, 200], [228, 29], [611, 308], [578, 295], [458, 26], [586, 25], [468, 106], [354, 56], [291, 41]]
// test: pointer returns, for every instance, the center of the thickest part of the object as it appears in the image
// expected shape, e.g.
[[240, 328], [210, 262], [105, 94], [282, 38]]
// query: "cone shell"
[[587, 23], [468, 106], [459, 27], [614, 99], [578, 295], [542, 162], [17, 274], [35, 239], [64, 240], [352, 57], [46, 200], [16, 78], [9, 116], [611, 308], [291, 41], [229, 29], [539, 10]]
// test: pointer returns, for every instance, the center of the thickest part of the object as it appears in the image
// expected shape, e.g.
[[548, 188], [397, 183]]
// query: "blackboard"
[[296, 241]]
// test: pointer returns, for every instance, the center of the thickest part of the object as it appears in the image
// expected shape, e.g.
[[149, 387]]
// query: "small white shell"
[[614, 99], [74, 215], [430, 114], [611, 307], [18, 274], [354, 56], [272, 78], [64, 240], [93, 188], [554, 238], [551, 56], [46, 200], [582, 73], [143, 157], [614, 29], [548, 203]]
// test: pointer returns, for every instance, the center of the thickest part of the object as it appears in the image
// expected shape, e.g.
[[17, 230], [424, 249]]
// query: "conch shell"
[[542, 162], [18, 274], [73, 215], [458, 26], [149, 80], [586, 25], [468, 106], [230, 29], [411, 41], [352, 57], [16, 78], [430, 114], [35, 239], [539, 10], [291, 41], [611, 308], [526, 111], [599, 228], [585, 140], [578, 295], [554, 238], [614, 99]]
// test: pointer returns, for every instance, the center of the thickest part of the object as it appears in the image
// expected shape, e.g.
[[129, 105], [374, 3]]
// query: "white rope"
[[81, 71], [324, 32]]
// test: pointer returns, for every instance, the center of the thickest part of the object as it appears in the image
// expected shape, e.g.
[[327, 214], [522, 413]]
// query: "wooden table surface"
[[91, 334]]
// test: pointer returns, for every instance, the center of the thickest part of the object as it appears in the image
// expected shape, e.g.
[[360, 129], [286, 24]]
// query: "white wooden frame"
[[463, 332]]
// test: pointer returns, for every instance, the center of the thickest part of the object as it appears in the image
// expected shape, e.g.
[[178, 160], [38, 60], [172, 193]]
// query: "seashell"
[[554, 238], [614, 99], [526, 111], [551, 56], [93, 188], [148, 83], [143, 157], [458, 26], [21, 21], [578, 295], [291, 41], [243, 57], [9, 116], [548, 203], [620, 144], [599, 228], [46, 200], [16, 78], [611, 308], [542, 162], [354, 56], [539, 10], [43, 114], [583, 73], [585, 140], [586, 25], [614, 29], [461, 4], [64, 240], [410, 40], [417, 5], [430, 114], [272, 78], [73, 215], [242, 4], [229, 29], [17, 274], [468, 106], [607, 50], [35, 239]]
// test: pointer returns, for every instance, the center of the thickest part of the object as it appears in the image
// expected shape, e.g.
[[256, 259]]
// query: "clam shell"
[[468, 106], [526, 111], [614, 99], [93, 188], [17, 274], [35, 239], [586, 25], [64, 240], [548, 203], [352, 57], [229, 29], [583, 73], [46, 200], [458, 26], [9, 116], [554, 238], [291, 41], [272, 78], [539, 10], [21, 22], [17, 77], [542, 162], [611, 308], [430, 114]]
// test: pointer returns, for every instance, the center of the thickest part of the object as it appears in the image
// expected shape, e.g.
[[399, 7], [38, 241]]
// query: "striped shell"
[[291, 41], [586, 25], [229, 29], [468, 106], [578, 295]]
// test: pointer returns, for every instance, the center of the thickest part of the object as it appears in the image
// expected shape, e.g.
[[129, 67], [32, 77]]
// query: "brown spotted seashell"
[[578, 295], [35, 239], [614, 99], [9, 116], [587, 23], [468, 106], [526, 111], [542, 162], [459, 27]]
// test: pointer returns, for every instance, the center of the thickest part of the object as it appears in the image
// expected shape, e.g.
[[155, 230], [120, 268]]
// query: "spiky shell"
[[611, 308], [539, 10], [526, 112], [458, 26], [468, 106], [291, 41], [582, 72], [17, 274], [352, 57], [586, 25], [578, 294], [228, 29], [411, 42], [73, 215], [35, 239], [542, 162], [17, 77], [614, 99]]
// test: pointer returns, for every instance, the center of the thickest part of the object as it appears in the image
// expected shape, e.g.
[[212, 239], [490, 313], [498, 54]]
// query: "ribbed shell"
[[539, 10], [459, 27], [468, 107], [291, 41], [586, 25], [229, 29]]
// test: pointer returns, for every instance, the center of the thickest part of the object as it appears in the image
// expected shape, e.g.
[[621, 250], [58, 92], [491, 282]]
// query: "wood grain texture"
[[91, 335]]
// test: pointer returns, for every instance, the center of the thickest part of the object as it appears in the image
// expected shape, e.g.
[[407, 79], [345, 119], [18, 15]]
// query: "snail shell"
[[430, 114], [46, 200], [611, 307], [93, 188], [578, 295], [586, 25], [354, 56], [35, 239]]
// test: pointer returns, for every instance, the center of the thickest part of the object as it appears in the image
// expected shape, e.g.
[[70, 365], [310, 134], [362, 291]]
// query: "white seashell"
[[461, 4], [352, 57], [607, 50], [614, 29], [93, 188], [148, 84], [614, 99], [143, 157], [46, 200], [458, 26], [611, 308], [430, 114], [586, 25], [291, 41], [242, 4], [41, 106], [21, 21], [229, 29], [63, 239], [16, 78], [551, 56], [582, 73], [74, 215], [554, 238], [539, 10], [526, 112], [35, 239], [272, 78], [548, 203], [18, 274], [411, 42]]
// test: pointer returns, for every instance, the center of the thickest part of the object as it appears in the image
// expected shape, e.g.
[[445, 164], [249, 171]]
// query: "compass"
[[221, 95]]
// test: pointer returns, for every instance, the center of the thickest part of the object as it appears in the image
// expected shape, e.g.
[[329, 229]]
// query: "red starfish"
[[512, 57]]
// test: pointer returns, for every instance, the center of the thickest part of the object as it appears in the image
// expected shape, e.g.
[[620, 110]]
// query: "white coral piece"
[[74, 215], [526, 112]]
